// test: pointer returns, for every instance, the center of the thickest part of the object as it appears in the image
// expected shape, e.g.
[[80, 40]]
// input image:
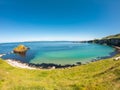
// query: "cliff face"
[[114, 41], [109, 40]]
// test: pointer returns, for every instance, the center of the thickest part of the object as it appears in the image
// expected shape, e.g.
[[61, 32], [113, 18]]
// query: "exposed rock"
[[113, 40], [20, 49], [78, 63]]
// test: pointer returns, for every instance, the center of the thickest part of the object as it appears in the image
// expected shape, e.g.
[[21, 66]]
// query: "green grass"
[[100, 75], [117, 36]]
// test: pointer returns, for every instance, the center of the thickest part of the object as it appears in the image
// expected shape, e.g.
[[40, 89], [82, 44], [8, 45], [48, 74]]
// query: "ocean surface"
[[57, 52]]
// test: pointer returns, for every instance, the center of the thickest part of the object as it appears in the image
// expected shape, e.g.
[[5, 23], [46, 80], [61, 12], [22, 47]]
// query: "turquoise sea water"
[[57, 52]]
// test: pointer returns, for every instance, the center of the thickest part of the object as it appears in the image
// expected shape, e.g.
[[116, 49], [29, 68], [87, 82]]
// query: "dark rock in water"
[[50, 65], [92, 60], [79, 63]]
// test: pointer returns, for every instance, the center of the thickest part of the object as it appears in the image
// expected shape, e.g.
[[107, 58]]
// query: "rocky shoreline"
[[20, 64]]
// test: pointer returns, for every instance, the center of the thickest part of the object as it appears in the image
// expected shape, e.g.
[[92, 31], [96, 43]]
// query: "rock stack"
[[20, 49]]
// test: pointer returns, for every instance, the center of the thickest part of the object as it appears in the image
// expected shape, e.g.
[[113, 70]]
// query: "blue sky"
[[39, 20]]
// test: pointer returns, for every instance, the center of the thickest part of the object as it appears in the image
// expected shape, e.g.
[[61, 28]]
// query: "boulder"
[[20, 49]]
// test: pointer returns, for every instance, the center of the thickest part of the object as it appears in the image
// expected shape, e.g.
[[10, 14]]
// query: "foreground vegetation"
[[100, 75]]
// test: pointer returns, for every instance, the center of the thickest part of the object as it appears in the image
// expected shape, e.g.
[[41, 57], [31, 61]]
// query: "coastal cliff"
[[113, 40]]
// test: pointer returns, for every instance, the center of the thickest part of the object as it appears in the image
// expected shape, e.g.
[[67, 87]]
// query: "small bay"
[[56, 52]]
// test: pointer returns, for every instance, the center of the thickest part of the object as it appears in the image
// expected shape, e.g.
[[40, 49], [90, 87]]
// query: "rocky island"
[[20, 49]]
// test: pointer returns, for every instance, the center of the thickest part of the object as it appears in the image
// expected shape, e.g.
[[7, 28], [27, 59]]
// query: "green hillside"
[[100, 75], [112, 36]]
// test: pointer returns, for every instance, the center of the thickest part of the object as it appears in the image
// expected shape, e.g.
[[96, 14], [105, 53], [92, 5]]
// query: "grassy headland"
[[100, 75], [112, 36], [112, 40]]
